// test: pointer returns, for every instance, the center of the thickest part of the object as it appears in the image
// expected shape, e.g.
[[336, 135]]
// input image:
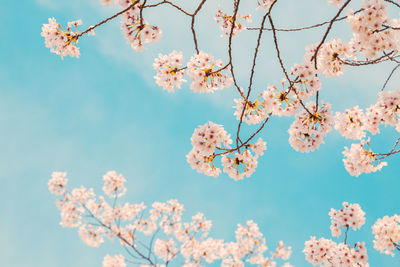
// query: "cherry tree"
[[375, 39], [159, 236]]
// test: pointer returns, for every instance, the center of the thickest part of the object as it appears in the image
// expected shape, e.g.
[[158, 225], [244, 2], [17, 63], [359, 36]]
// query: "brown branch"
[[192, 25], [390, 76], [171, 4], [392, 2], [106, 20], [345, 234], [246, 143], [392, 151], [305, 27], [230, 63], [260, 33], [368, 62], [314, 57]]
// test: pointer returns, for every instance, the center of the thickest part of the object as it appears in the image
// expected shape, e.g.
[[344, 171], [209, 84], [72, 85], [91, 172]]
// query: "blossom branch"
[[314, 57]]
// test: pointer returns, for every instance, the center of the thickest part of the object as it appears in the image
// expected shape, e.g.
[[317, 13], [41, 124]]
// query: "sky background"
[[104, 112]]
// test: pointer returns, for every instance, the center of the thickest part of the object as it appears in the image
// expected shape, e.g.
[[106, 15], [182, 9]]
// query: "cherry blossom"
[[206, 74], [114, 261], [351, 123], [57, 183], [239, 164], [227, 21], [368, 36], [114, 184], [254, 112], [173, 237], [387, 234], [280, 102], [375, 39], [350, 216], [325, 252], [61, 42], [169, 75], [265, 4], [329, 57], [360, 159], [389, 103], [136, 30], [337, 3], [208, 136], [310, 127], [308, 83]]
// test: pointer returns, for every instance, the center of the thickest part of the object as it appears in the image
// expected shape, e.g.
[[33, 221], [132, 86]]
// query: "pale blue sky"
[[104, 112]]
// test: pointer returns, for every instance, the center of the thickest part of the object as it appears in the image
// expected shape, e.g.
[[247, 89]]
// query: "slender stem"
[[305, 27], [106, 20], [345, 234], [260, 33], [314, 57]]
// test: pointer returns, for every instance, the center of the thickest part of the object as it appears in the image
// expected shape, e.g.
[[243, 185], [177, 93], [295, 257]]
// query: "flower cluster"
[[389, 105], [206, 73], [57, 183], [169, 75], [209, 137], [359, 159], [329, 57], [387, 234], [174, 239], [239, 164], [136, 30], [325, 252], [205, 140], [350, 216], [280, 102], [372, 29], [351, 123], [254, 112], [308, 83], [114, 261], [227, 21], [114, 184], [61, 42], [310, 127]]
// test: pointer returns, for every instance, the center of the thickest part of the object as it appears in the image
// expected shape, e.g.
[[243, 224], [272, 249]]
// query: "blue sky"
[[104, 112]]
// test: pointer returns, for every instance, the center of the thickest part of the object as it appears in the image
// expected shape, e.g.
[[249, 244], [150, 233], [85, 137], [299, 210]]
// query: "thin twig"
[[390, 76], [106, 20], [314, 57]]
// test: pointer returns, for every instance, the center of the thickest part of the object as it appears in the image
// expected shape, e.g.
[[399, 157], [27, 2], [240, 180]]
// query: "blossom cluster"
[[206, 73], [310, 127], [61, 42], [208, 138], [325, 252], [360, 159], [174, 239], [169, 75], [373, 31], [227, 22], [353, 124], [136, 29], [350, 216], [374, 34], [387, 234]]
